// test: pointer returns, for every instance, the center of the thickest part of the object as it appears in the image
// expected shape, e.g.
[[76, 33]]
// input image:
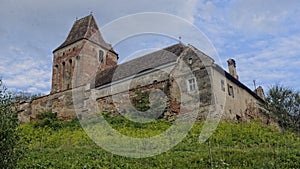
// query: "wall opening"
[[63, 73], [223, 85], [70, 73], [101, 56], [55, 77], [77, 70], [230, 91]]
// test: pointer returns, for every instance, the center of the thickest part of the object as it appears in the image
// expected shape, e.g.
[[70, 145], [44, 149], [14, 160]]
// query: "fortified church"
[[86, 68]]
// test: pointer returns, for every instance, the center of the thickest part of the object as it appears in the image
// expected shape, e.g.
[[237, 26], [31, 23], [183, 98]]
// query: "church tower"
[[80, 56]]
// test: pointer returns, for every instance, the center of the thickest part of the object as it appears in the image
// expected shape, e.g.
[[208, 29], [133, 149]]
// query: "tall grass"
[[240, 145]]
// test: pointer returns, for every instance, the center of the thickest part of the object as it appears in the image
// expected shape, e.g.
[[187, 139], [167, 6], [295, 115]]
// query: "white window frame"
[[191, 84]]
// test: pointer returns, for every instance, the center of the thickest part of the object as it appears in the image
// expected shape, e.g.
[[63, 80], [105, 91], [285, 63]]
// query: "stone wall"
[[61, 103]]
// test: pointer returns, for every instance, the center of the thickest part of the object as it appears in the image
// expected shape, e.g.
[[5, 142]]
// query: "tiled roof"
[[85, 28], [138, 65]]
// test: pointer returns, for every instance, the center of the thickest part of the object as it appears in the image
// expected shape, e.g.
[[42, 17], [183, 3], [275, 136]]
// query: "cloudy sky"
[[262, 36]]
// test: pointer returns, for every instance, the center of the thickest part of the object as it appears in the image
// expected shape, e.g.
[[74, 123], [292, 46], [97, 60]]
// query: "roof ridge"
[[88, 25], [84, 28], [159, 50]]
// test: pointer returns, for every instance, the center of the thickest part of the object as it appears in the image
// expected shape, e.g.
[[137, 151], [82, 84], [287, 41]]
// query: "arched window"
[[70, 73], [77, 70], [55, 75], [63, 71], [70, 67]]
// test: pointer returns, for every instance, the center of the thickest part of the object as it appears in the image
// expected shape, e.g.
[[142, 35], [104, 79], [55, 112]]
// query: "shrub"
[[8, 132]]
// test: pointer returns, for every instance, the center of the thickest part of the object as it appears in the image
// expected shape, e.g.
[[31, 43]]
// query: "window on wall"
[[190, 60], [70, 67], [63, 70], [223, 85], [70, 73], [77, 70], [230, 91], [191, 84], [101, 56], [56, 75]]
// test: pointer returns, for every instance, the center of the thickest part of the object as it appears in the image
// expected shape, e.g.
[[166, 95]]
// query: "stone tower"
[[80, 56], [232, 68]]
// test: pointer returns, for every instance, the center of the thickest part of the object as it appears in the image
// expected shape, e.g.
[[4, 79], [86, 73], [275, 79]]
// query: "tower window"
[[191, 84], [63, 70], [56, 75], [70, 68], [101, 56]]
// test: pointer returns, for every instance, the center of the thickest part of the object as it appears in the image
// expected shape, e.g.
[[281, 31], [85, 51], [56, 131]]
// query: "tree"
[[284, 104], [25, 96], [8, 131]]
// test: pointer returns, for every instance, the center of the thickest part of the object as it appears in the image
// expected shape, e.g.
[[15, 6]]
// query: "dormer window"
[[101, 56]]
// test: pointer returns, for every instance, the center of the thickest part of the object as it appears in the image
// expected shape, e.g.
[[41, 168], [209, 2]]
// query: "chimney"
[[260, 92], [232, 68]]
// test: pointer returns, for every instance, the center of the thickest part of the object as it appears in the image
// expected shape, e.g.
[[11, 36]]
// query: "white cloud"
[[22, 71], [188, 10], [256, 16], [277, 62]]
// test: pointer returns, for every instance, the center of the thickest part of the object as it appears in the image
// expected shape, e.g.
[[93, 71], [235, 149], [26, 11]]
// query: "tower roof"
[[85, 28]]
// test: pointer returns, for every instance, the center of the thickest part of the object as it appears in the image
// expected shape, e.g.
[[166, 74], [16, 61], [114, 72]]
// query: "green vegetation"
[[283, 105], [141, 101], [241, 145], [9, 154]]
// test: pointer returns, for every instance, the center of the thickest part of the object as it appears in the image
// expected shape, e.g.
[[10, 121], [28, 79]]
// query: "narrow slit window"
[[64, 70], [56, 75], [101, 56]]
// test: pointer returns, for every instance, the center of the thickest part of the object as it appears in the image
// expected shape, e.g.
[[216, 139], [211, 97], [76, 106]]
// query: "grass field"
[[233, 145]]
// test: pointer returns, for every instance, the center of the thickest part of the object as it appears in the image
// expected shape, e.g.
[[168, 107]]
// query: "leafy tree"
[[284, 104], [8, 132]]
